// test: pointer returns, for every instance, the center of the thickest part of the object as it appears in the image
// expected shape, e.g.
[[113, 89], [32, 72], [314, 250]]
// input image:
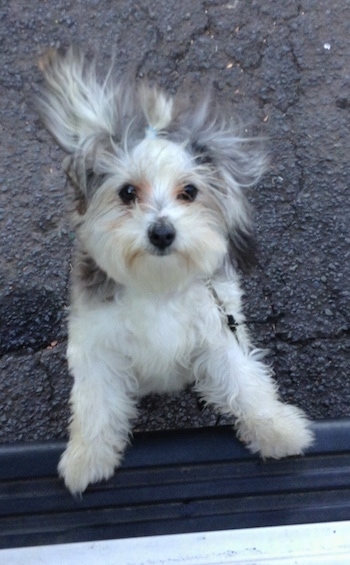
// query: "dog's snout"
[[162, 235]]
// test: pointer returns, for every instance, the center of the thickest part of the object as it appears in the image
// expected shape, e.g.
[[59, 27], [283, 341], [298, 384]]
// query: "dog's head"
[[158, 182]]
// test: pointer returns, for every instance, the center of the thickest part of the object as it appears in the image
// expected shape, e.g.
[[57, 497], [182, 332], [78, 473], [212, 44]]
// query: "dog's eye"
[[128, 193], [188, 193]]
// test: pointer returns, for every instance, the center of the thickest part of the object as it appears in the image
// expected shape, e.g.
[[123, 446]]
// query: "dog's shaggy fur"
[[161, 221]]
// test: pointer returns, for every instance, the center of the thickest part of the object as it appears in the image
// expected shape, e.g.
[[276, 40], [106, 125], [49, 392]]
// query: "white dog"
[[161, 221]]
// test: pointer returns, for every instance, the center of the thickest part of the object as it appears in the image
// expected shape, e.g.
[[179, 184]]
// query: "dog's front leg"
[[237, 382], [103, 405]]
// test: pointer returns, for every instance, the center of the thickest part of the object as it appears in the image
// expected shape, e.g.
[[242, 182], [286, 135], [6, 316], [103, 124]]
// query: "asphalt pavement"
[[283, 67]]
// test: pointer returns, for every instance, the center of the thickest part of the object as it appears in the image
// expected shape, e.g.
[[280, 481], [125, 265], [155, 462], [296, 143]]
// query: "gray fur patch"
[[243, 250], [89, 278]]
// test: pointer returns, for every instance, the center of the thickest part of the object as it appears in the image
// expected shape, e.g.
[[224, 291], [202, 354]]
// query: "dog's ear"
[[236, 164], [233, 163], [73, 103]]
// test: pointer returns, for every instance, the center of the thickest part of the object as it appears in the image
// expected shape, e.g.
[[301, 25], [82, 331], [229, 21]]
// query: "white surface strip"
[[309, 544]]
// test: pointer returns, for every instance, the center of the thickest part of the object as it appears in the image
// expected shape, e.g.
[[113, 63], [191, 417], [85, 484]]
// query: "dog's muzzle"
[[162, 235]]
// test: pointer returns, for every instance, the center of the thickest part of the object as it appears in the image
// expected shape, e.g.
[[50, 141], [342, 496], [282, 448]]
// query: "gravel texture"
[[282, 66]]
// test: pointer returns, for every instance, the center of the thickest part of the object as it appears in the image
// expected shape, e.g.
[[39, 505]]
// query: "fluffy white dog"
[[161, 222]]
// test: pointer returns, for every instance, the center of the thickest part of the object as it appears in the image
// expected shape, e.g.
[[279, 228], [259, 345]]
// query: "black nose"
[[161, 235]]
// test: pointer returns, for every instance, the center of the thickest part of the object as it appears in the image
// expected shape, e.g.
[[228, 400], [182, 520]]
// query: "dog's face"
[[158, 182], [154, 220]]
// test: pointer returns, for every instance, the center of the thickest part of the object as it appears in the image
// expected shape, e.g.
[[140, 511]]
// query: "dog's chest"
[[160, 335]]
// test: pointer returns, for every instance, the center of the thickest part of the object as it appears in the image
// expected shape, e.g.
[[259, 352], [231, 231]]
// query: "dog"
[[163, 226]]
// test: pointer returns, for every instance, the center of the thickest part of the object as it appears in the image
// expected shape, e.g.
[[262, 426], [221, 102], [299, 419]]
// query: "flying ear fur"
[[233, 162], [74, 104]]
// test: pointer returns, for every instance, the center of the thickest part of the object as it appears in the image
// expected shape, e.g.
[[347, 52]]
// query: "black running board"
[[174, 482]]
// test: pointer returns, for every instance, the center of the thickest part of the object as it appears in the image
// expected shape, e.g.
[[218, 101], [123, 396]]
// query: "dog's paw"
[[282, 433], [82, 464]]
